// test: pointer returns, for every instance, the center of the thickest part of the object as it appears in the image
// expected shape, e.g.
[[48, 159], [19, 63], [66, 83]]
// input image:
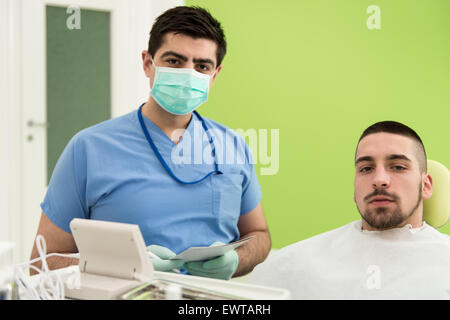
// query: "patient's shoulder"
[[319, 241], [433, 233]]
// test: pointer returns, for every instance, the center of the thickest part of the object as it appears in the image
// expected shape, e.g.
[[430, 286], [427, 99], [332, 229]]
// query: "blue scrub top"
[[109, 172]]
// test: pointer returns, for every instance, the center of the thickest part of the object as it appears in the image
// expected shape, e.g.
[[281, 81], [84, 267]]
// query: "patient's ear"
[[427, 186]]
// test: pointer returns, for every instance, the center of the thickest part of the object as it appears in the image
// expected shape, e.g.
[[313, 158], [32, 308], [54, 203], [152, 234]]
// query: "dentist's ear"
[[147, 63], [213, 78]]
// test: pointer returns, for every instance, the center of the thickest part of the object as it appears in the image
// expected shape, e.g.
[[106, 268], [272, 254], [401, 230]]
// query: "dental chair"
[[436, 210]]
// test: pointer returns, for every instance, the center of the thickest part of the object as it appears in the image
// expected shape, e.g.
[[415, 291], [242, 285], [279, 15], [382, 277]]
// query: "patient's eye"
[[365, 169], [398, 168]]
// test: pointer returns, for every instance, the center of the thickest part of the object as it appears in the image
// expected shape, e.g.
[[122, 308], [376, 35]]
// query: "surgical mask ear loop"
[[153, 64], [214, 74]]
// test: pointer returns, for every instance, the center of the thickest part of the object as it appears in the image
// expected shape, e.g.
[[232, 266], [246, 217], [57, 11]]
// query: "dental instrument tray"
[[163, 290]]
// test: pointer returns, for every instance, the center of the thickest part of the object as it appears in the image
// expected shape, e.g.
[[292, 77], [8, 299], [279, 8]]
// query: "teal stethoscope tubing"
[[163, 162]]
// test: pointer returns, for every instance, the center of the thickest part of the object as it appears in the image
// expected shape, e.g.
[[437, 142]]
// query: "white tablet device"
[[111, 249]]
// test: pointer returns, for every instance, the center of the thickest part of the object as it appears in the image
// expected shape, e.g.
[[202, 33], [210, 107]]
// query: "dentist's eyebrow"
[[173, 53], [185, 59], [365, 158], [207, 61], [398, 157]]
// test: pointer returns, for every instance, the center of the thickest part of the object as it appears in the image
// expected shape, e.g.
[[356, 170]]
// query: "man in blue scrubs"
[[184, 179]]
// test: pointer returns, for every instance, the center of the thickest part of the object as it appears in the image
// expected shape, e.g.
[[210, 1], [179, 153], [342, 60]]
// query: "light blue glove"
[[164, 254], [222, 267]]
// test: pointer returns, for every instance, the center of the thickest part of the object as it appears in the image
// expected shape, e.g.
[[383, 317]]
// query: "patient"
[[390, 253]]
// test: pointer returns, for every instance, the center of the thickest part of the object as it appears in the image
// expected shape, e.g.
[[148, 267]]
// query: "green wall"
[[313, 70]]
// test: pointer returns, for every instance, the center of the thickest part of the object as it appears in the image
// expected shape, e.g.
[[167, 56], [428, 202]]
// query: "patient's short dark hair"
[[400, 129]]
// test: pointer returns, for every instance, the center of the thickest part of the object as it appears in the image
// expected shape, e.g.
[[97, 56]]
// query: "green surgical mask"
[[180, 90]]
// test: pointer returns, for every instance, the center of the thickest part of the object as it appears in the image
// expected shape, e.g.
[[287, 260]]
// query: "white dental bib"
[[351, 263]]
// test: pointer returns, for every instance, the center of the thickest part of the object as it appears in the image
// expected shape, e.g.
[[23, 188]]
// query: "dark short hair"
[[400, 129], [195, 22]]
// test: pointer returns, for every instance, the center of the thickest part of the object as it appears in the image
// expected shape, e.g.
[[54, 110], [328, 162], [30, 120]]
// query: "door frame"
[[131, 22]]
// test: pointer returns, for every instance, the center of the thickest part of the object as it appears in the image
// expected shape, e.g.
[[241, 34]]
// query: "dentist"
[[124, 169]]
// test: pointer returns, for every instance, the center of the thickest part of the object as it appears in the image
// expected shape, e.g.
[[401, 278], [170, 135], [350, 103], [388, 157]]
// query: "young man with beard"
[[391, 253]]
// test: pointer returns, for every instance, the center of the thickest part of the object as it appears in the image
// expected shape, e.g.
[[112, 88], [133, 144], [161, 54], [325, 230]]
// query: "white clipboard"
[[206, 253]]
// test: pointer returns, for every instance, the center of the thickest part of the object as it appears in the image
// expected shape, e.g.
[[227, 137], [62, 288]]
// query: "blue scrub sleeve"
[[251, 192], [65, 198]]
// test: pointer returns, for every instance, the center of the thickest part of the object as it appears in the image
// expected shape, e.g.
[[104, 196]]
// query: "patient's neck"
[[367, 227], [415, 220]]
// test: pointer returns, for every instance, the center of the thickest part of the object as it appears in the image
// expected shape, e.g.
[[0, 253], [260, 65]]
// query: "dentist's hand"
[[222, 267], [160, 258]]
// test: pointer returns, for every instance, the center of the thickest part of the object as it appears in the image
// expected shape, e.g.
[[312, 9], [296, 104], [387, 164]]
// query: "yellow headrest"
[[436, 210]]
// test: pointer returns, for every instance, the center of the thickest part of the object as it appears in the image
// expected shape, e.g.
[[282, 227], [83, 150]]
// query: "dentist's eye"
[[203, 68], [173, 62]]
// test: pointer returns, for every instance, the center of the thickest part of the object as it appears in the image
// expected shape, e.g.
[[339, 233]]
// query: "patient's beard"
[[386, 218]]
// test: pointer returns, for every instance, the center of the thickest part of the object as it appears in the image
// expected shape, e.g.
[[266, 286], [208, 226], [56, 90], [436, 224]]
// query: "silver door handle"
[[32, 124]]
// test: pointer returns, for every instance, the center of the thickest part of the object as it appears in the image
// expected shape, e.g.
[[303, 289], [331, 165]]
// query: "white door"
[[129, 25]]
